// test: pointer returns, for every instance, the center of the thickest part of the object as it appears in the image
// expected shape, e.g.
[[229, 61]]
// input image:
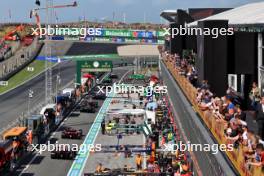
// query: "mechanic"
[[103, 126], [99, 168], [139, 161]]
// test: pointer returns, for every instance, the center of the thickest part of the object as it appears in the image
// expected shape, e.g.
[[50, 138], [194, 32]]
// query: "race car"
[[113, 76], [99, 96], [87, 108], [107, 81], [63, 154], [71, 133], [93, 104]]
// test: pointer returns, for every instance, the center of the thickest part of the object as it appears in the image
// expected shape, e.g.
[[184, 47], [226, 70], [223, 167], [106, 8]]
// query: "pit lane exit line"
[[80, 160]]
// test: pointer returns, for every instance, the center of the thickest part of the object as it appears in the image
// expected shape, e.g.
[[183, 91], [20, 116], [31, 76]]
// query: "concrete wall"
[[21, 58]]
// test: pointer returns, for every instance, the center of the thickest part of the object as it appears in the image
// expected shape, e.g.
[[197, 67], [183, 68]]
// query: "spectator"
[[230, 114], [205, 84], [249, 139], [235, 120], [260, 117], [240, 113], [156, 168], [254, 95], [258, 157], [229, 102]]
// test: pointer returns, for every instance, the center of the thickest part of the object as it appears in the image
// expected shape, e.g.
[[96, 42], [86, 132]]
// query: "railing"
[[215, 126]]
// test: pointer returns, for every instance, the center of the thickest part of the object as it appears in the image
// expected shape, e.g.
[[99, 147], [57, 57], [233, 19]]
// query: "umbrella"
[[87, 75], [154, 77], [152, 105]]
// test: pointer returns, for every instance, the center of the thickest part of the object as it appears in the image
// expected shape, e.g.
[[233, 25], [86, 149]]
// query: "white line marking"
[[27, 166]]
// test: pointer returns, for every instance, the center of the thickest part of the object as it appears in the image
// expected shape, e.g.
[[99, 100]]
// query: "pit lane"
[[42, 164]]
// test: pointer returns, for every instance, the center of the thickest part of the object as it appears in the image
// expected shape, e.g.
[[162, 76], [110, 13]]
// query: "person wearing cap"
[[205, 84], [230, 114], [229, 102], [254, 95], [258, 156], [240, 113]]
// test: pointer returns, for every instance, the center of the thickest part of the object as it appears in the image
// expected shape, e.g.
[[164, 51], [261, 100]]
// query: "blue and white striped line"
[[81, 159]]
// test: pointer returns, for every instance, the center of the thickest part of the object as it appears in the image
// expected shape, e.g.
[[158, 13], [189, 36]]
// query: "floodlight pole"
[[48, 73]]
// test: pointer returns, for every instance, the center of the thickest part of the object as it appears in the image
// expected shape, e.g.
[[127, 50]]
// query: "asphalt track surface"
[[14, 102], [42, 164], [81, 48]]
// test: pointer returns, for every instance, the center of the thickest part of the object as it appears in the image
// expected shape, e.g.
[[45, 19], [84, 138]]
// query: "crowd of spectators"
[[227, 110], [4, 50]]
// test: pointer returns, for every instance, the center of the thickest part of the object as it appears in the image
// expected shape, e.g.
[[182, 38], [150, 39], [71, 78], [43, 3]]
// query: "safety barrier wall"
[[215, 126], [16, 62]]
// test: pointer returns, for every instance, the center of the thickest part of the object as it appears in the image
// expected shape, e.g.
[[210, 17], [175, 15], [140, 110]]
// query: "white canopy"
[[127, 112], [138, 50], [151, 115], [48, 106], [252, 13]]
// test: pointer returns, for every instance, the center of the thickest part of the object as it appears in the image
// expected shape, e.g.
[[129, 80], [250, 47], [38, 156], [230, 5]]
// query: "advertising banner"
[[57, 38], [87, 66], [129, 33], [103, 32], [116, 33]]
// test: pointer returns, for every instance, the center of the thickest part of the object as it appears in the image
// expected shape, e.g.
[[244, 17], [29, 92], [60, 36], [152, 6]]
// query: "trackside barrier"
[[215, 126]]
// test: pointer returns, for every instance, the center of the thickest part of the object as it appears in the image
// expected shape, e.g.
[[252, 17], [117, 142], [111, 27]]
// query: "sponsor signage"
[[96, 64], [92, 57], [86, 66], [71, 38], [127, 33], [57, 38]]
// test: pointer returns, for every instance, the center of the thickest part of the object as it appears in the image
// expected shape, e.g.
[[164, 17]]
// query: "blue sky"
[[134, 10]]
